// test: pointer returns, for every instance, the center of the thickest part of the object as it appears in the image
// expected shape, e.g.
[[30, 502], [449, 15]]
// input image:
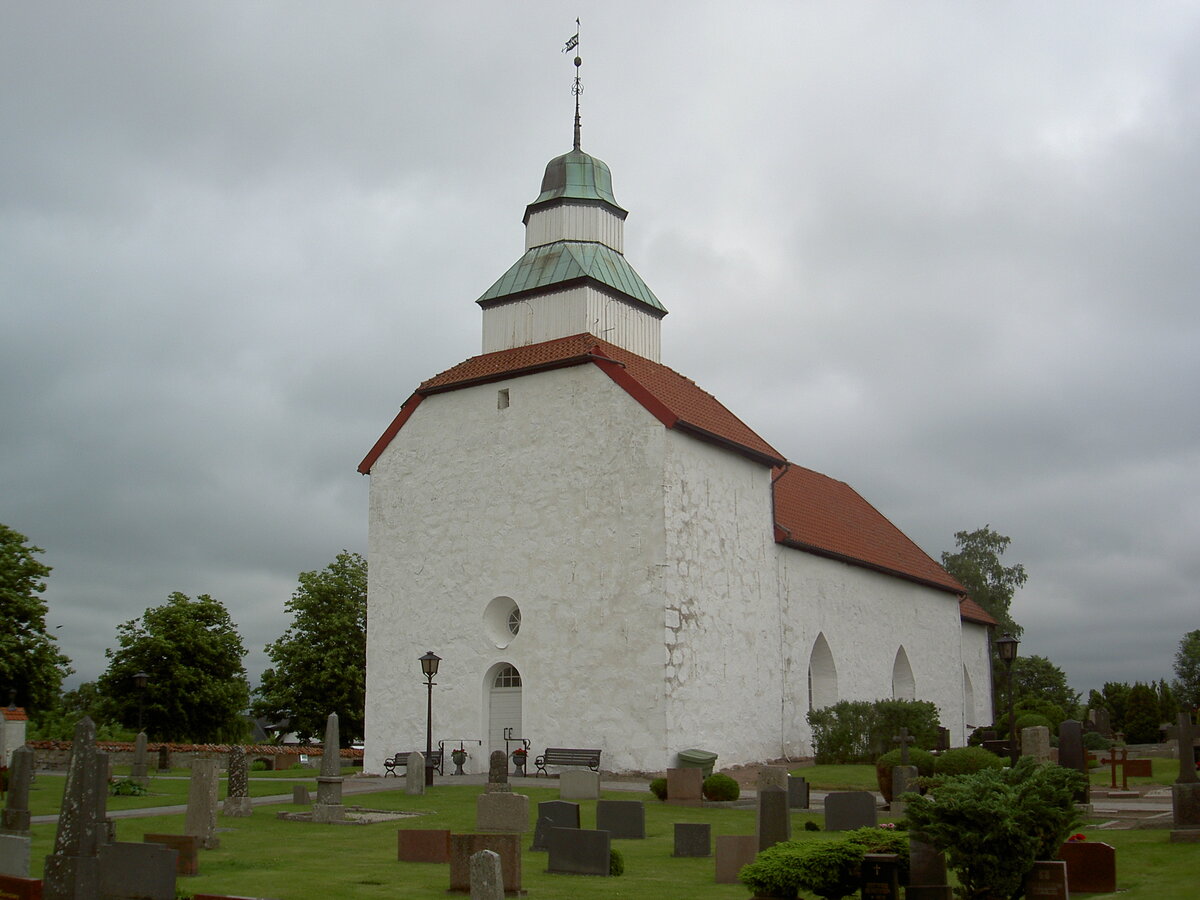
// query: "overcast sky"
[[945, 252]]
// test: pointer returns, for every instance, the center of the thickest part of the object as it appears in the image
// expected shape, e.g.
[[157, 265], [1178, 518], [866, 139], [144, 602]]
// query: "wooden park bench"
[[400, 761], [564, 756]]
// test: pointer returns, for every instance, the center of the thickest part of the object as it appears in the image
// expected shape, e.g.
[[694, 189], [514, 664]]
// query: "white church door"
[[504, 705]]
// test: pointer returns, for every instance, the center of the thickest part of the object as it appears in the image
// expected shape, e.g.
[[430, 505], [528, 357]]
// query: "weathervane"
[[577, 87]]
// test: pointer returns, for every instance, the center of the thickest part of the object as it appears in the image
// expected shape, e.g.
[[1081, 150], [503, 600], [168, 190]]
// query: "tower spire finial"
[[577, 87]]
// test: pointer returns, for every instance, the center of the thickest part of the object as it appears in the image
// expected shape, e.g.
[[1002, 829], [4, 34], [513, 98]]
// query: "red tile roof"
[[813, 512], [973, 612], [14, 714]]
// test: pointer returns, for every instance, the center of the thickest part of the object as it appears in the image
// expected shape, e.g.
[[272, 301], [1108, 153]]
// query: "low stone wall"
[[55, 755]]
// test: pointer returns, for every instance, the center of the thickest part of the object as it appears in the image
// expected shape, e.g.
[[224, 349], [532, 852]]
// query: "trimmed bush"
[[828, 869], [720, 787], [922, 759], [1094, 740], [965, 760], [616, 862], [658, 787], [1031, 720]]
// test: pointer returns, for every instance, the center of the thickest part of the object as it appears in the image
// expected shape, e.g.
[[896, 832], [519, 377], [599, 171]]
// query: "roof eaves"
[[860, 563], [706, 435]]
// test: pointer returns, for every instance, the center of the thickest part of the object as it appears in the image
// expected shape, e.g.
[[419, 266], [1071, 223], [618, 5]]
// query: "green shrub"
[[828, 869], [992, 824], [658, 787], [1051, 711], [858, 731], [1031, 720], [258, 765], [965, 760], [126, 787], [616, 862], [922, 759], [810, 825], [720, 787], [1094, 740]]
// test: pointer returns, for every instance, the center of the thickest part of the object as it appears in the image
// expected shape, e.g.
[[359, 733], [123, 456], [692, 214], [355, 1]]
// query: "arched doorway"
[[503, 684], [904, 686], [822, 675], [968, 700]]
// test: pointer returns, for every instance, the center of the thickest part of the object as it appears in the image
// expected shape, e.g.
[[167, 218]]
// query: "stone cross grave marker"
[[72, 870], [201, 816], [904, 739], [237, 799], [328, 808], [15, 819]]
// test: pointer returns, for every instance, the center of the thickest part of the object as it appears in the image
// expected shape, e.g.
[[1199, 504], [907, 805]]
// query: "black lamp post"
[[139, 681], [1007, 648], [429, 667]]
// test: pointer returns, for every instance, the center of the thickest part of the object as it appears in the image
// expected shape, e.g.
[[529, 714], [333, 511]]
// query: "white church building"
[[604, 556]]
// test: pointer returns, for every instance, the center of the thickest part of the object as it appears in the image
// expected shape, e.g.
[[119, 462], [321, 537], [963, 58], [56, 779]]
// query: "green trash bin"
[[697, 759]]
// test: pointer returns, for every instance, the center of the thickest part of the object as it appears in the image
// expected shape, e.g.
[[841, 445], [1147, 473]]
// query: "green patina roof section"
[[563, 261], [577, 176]]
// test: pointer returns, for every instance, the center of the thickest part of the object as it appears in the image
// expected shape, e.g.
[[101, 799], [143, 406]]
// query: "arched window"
[[507, 677], [822, 675], [904, 686]]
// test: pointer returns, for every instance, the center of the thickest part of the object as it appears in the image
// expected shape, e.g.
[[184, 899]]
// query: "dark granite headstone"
[[1091, 866], [623, 819], [881, 876], [15, 818], [553, 814], [464, 846], [131, 871], [164, 758], [733, 852], [797, 792], [774, 817], [423, 845], [575, 851], [693, 839], [1071, 753], [926, 864], [847, 810], [187, 848], [1047, 880]]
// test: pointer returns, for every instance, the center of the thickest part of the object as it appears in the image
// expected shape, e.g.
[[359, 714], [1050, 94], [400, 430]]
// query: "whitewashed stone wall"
[[977, 668]]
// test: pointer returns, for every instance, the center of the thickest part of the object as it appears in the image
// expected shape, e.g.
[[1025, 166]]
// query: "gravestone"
[[1071, 753], [1047, 880], [685, 787], [139, 771], [733, 852], [1185, 792], [15, 818], [131, 871], [553, 814], [1091, 866], [579, 784], [186, 847], [772, 776], [423, 845], [464, 846], [623, 819], [498, 808], [904, 739], [300, 795], [71, 872], [498, 772], [201, 816], [1035, 742], [881, 876], [797, 792], [328, 809], [903, 781], [575, 851], [487, 882], [14, 887], [237, 799], [15, 855], [693, 839], [164, 758], [927, 872], [414, 774], [774, 817], [847, 810]]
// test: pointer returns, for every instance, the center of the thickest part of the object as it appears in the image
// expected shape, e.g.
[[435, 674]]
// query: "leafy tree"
[[85, 700], [976, 565], [1187, 669], [30, 663], [320, 661], [1141, 715], [1116, 701], [192, 652], [1035, 678], [1168, 703]]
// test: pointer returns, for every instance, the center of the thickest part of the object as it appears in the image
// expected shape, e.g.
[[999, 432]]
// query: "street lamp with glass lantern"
[[429, 667], [139, 682], [1007, 648]]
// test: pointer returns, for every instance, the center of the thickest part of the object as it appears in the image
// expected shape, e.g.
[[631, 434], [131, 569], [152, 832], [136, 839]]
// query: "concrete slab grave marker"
[[847, 810], [300, 795], [72, 872], [329, 809], [15, 818], [414, 774], [623, 819], [579, 784], [237, 797], [201, 816], [774, 817], [685, 787], [186, 847], [1091, 866], [423, 845], [797, 792], [693, 839], [464, 846], [487, 882], [576, 851], [132, 871], [553, 814], [14, 887], [1047, 880], [881, 876], [1035, 742], [15, 854], [733, 852]]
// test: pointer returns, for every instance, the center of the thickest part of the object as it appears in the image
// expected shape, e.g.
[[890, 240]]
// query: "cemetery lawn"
[[1165, 772], [839, 777]]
